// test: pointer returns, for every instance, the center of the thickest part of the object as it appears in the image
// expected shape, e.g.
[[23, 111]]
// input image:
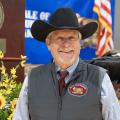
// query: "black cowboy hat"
[[62, 18]]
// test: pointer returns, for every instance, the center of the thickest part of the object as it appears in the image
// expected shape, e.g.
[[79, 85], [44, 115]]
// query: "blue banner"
[[37, 52]]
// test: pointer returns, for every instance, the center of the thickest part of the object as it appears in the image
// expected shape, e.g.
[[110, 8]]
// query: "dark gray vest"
[[46, 104]]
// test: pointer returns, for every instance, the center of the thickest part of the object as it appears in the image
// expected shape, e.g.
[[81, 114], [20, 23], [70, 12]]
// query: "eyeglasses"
[[62, 40]]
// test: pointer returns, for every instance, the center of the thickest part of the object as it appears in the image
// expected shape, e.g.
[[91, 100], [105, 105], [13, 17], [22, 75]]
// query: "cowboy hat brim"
[[41, 29]]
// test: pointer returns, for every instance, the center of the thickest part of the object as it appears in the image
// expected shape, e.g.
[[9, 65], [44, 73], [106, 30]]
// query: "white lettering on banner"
[[44, 16], [31, 14], [28, 33], [30, 17], [28, 23]]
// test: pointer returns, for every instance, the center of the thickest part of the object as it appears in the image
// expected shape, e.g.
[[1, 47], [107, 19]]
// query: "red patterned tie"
[[61, 81]]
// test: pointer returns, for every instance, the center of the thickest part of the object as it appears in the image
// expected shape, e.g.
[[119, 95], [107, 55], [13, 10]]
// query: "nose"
[[66, 43]]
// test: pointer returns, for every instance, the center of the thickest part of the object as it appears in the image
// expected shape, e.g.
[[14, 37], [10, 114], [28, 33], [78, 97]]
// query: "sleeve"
[[21, 111], [110, 104]]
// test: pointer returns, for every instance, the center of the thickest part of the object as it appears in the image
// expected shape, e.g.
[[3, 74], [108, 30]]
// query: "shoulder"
[[93, 67], [41, 68], [94, 70], [96, 73]]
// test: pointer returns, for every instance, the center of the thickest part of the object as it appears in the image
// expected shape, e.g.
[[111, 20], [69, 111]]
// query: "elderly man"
[[67, 88]]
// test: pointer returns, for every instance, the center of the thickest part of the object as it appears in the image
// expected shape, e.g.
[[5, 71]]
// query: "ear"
[[48, 43]]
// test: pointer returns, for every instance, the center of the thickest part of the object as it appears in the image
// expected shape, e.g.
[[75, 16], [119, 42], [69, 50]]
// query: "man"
[[67, 88]]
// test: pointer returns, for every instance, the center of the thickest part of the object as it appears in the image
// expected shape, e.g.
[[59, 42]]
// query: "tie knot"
[[63, 74]]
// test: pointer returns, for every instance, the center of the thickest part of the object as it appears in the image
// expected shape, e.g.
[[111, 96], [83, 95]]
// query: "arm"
[[21, 112], [110, 104]]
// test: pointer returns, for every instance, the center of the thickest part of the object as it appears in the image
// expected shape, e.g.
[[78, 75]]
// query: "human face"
[[64, 46]]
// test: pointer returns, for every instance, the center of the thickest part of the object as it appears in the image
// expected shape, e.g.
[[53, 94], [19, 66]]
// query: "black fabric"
[[62, 18], [112, 64]]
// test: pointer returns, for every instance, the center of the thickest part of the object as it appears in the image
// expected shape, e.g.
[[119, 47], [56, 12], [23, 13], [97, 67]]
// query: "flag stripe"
[[106, 16], [105, 8], [105, 42], [102, 15]]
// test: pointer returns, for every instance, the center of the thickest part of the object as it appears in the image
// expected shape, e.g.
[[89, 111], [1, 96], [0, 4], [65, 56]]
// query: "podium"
[[12, 17]]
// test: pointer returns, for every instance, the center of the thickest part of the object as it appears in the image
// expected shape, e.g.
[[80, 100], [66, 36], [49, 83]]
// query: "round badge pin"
[[78, 89]]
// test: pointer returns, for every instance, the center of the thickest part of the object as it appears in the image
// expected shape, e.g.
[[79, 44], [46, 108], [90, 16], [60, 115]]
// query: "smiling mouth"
[[67, 53]]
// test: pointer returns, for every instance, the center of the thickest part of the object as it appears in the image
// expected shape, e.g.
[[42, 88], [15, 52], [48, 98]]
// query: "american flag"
[[105, 42]]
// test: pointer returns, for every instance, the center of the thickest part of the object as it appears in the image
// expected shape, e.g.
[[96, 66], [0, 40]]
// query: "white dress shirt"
[[109, 101]]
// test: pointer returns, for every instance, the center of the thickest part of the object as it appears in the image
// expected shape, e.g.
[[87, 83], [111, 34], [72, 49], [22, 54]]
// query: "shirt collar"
[[71, 68]]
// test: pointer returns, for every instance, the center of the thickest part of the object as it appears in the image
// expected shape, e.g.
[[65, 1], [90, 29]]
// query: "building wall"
[[117, 25]]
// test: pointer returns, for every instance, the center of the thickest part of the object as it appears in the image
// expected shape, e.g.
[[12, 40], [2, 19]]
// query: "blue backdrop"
[[37, 52]]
